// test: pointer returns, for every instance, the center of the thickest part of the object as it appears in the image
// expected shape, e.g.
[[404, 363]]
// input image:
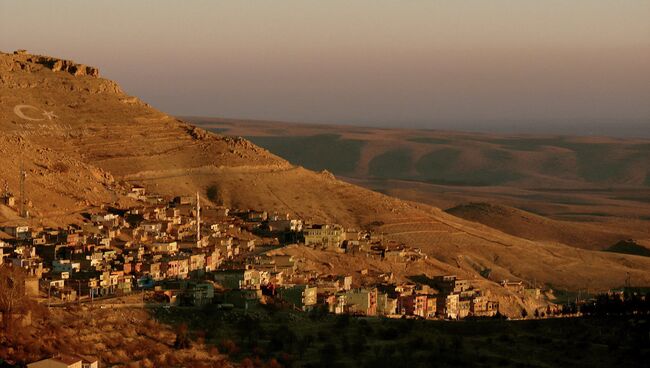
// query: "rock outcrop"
[[21, 60]]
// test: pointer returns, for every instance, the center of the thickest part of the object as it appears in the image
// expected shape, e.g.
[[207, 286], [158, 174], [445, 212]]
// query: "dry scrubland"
[[117, 332], [108, 139], [124, 337]]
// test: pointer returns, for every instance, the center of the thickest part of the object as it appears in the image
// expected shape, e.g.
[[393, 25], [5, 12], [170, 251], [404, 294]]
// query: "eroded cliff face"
[[21, 60], [20, 70]]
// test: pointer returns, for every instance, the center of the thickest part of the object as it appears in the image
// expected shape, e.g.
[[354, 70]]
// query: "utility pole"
[[198, 220], [23, 199]]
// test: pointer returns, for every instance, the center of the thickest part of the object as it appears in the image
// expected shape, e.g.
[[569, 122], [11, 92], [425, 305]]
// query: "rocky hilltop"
[[82, 141], [21, 60]]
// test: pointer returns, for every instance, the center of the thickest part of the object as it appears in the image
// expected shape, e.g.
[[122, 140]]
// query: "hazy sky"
[[412, 62]]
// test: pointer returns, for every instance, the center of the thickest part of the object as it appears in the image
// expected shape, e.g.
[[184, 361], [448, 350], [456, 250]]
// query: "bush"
[[228, 346], [182, 338], [213, 193], [12, 294], [247, 363]]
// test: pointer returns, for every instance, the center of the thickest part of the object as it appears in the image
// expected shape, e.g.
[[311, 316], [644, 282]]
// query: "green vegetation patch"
[[435, 164], [444, 167], [629, 247], [316, 152], [499, 156], [317, 339], [600, 162], [394, 164], [596, 162]]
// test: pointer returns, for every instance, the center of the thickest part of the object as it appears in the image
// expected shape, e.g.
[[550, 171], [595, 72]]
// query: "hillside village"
[[172, 251], [128, 252]]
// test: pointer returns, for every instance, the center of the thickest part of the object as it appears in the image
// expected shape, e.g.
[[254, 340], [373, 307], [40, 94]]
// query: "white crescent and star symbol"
[[36, 114]]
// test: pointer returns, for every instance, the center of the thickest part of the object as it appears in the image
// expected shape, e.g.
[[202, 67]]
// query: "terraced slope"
[[57, 185]]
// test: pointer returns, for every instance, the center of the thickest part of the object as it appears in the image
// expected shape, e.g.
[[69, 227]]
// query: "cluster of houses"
[[116, 251], [186, 255], [335, 238], [276, 278], [519, 288]]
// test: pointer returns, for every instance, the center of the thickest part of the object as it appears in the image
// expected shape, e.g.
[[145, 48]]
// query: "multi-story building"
[[362, 301], [328, 235], [448, 306], [302, 297]]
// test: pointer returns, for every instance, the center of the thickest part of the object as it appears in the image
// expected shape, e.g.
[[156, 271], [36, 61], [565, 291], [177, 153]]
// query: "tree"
[[247, 363], [524, 313], [12, 292], [182, 337]]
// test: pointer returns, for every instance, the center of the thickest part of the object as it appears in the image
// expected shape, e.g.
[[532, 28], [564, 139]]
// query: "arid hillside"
[[108, 139], [586, 192], [528, 225], [120, 335]]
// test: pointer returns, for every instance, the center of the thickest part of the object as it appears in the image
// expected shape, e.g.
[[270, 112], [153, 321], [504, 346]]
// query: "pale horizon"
[[435, 65]]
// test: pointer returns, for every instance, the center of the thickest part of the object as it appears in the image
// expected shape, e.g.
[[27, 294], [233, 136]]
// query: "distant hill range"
[[589, 192], [442, 157], [82, 142]]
